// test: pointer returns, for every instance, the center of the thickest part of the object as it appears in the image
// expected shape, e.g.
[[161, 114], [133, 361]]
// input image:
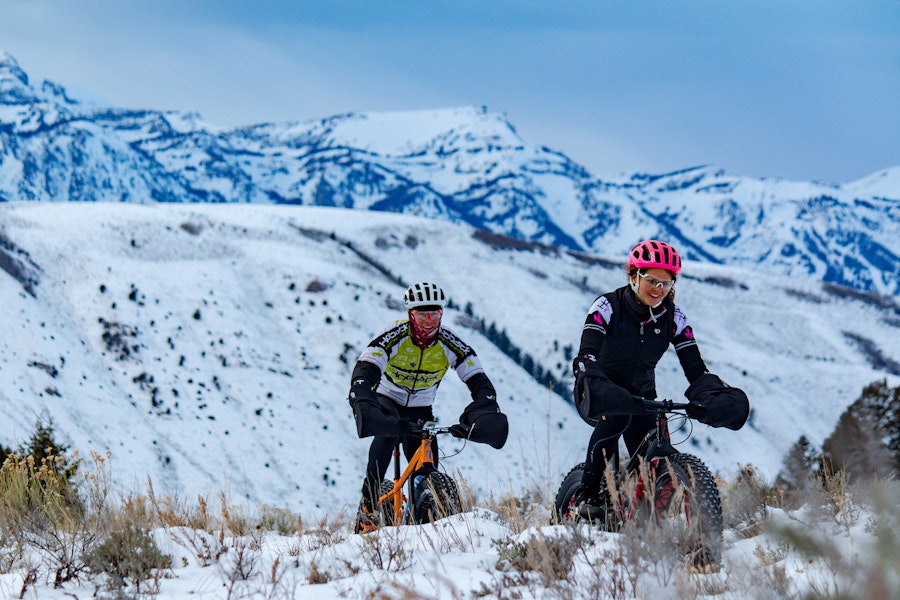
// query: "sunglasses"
[[664, 284], [416, 312]]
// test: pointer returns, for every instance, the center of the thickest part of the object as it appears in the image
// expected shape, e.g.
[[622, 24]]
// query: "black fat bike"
[[658, 486]]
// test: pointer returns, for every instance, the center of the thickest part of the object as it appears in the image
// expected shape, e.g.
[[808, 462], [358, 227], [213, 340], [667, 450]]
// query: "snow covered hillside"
[[209, 347]]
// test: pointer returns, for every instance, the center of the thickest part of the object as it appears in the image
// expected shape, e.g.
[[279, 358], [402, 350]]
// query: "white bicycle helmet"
[[424, 294]]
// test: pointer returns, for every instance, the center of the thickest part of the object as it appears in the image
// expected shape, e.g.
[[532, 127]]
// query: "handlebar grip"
[[426, 427], [664, 405]]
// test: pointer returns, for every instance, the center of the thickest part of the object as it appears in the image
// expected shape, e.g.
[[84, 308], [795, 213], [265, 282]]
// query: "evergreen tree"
[[798, 471], [866, 441], [528, 364], [43, 447], [4, 453]]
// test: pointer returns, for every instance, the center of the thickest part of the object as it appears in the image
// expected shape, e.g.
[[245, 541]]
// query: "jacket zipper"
[[416, 378]]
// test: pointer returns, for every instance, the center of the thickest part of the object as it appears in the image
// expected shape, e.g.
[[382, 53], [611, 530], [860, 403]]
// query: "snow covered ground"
[[480, 554]]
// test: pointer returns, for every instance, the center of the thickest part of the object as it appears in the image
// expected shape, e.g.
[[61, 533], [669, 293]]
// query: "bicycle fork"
[[644, 463], [402, 504]]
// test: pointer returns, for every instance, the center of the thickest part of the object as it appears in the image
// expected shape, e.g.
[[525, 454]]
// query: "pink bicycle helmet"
[[653, 254]]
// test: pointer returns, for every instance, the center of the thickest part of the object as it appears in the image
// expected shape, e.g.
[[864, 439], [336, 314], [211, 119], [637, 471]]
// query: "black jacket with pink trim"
[[628, 339]]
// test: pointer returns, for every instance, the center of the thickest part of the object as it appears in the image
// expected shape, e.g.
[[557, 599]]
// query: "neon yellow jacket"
[[410, 375]]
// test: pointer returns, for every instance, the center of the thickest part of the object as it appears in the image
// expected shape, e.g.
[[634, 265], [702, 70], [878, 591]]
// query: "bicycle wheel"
[[565, 511], [684, 494], [564, 506], [436, 497], [386, 509]]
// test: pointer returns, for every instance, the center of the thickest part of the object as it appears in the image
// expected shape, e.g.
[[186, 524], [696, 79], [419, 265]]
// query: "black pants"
[[604, 444], [382, 448]]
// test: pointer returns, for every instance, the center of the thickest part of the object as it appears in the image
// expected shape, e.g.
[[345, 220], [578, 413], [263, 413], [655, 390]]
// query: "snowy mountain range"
[[464, 165], [209, 347]]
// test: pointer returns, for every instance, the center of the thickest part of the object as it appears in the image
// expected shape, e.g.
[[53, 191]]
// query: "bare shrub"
[[837, 499], [280, 520], [206, 547], [771, 560], [518, 512], [328, 532], [41, 509], [317, 576], [538, 565], [171, 511], [233, 519], [549, 557], [837, 563], [565, 566], [745, 500], [138, 510], [656, 548], [277, 584], [13, 556], [610, 575], [238, 567], [128, 557], [385, 550], [883, 572]]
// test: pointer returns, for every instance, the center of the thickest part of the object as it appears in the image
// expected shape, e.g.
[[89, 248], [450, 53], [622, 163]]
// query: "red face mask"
[[424, 326]]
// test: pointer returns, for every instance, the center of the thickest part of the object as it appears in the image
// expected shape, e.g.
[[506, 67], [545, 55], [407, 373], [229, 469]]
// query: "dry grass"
[[82, 532]]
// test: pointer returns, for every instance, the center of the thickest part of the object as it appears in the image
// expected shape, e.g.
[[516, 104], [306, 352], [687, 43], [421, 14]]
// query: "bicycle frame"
[[658, 484], [424, 455], [656, 445]]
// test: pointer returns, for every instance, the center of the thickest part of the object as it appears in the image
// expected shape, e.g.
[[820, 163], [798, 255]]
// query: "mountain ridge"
[[463, 165]]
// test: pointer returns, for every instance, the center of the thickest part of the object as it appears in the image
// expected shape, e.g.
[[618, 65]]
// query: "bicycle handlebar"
[[430, 428], [661, 406], [433, 428]]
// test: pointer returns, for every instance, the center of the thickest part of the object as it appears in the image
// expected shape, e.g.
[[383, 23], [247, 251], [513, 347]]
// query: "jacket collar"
[[642, 313]]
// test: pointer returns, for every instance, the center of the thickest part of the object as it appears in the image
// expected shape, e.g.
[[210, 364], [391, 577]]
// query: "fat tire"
[[700, 504], [563, 508], [436, 497], [386, 509]]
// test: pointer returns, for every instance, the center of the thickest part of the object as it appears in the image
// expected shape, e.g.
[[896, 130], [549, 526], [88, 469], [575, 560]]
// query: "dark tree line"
[[865, 443], [866, 440], [531, 366]]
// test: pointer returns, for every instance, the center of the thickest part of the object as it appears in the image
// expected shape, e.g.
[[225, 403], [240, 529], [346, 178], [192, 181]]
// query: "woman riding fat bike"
[[625, 334]]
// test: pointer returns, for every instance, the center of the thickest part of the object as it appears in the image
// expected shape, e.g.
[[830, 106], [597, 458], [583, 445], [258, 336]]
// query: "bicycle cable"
[[461, 448], [680, 423]]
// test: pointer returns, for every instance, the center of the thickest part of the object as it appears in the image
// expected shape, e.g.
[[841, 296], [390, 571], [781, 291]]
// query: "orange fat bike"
[[421, 493]]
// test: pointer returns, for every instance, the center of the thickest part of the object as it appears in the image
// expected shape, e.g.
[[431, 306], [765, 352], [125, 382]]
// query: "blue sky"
[[792, 89]]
